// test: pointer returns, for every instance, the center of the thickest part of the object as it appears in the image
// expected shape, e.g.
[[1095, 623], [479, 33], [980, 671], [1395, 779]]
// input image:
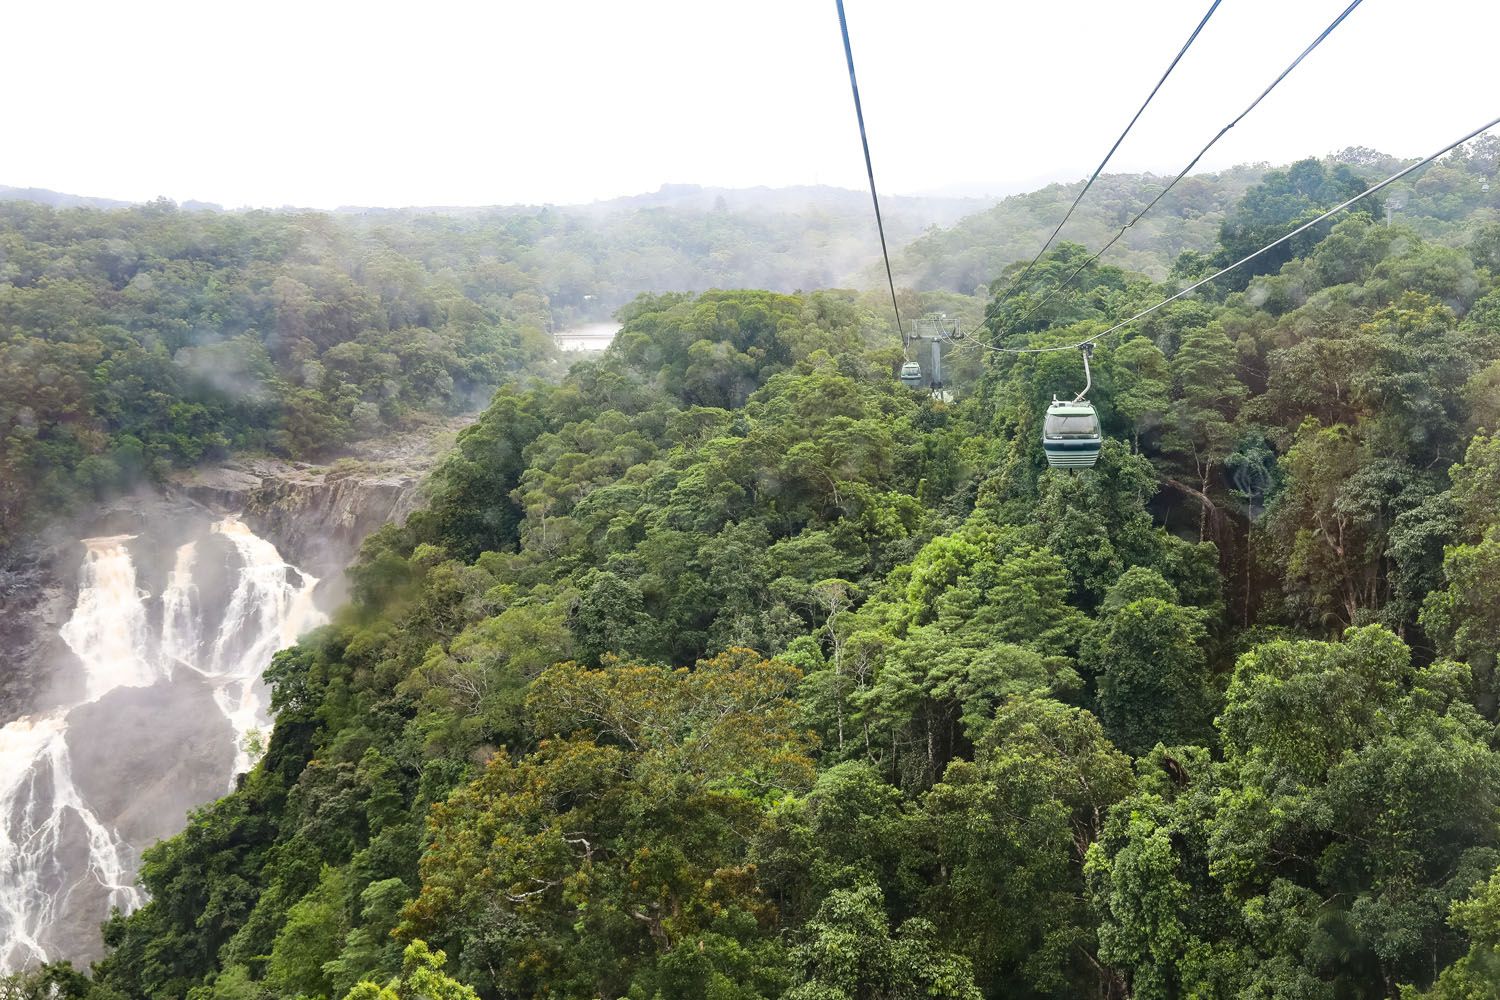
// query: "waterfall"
[[271, 605], [108, 628], [72, 822], [46, 820], [181, 624]]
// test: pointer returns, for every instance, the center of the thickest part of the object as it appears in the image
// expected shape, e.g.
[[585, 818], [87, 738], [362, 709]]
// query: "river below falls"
[[588, 338]]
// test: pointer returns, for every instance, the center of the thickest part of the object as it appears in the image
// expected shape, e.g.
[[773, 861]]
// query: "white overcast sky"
[[320, 104]]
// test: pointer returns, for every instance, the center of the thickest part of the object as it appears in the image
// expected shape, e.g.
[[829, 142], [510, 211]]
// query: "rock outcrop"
[[320, 514], [34, 603]]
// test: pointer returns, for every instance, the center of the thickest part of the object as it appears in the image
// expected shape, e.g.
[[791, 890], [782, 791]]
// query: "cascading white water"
[[108, 627], [266, 612], [63, 859], [43, 816], [181, 623], [45, 819]]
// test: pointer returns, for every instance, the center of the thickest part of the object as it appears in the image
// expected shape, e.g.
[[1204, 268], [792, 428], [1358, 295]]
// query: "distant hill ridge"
[[58, 199], [806, 236], [694, 197]]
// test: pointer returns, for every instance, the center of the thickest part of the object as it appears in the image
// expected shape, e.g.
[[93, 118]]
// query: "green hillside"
[[1439, 202]]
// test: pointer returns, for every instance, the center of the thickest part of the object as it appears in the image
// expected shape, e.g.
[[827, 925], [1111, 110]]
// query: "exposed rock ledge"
[[318, 515]]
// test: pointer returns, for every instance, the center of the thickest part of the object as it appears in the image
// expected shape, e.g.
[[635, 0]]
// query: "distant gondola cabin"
[[911, 374]]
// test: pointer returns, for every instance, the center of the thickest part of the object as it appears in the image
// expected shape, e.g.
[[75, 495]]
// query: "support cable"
[[1191, 164], [1248, 257], [1102, 163], [864, 141]]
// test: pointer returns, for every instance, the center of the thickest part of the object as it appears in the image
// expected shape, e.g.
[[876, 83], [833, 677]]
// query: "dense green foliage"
[[1203, 214], [728, 667], [966, 256], [135, 340]]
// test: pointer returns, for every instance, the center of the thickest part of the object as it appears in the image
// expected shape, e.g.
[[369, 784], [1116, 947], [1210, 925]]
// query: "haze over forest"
[[446, 563]]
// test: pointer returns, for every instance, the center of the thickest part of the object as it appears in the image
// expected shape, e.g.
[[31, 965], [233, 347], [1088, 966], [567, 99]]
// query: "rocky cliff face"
[[34, 603], [319, 515]]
